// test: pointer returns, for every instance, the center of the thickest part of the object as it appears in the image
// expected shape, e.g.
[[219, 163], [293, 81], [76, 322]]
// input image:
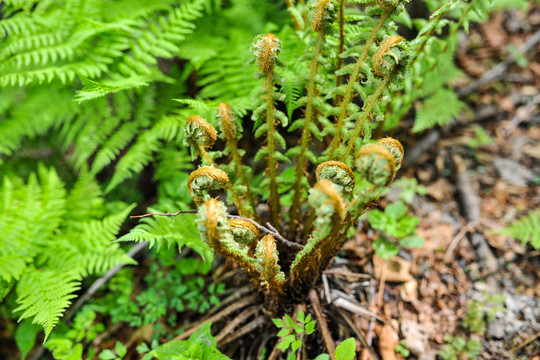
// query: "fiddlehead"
[[338, 173], [394, 147], [324, 14], [271, 276], [199, 135], [244, 233], [266, 49], [392, 56], [203, 180], [213, 226], [391, 62], [376, 164]]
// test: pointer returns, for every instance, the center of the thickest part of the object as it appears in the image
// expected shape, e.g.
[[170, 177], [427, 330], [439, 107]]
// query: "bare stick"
[[322, 324], [359, 334], [223, 313], [246, 329], [244, 315], [496, 72], [269, 230], [164, 214], [522, 114], [455, 241]]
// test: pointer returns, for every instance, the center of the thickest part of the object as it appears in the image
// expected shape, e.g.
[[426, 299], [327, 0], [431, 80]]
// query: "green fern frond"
[[439, 109], [44, 295], [526, 229], [166, 231]]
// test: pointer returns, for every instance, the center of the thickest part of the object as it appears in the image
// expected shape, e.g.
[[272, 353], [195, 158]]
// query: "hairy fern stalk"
[[307, 215]]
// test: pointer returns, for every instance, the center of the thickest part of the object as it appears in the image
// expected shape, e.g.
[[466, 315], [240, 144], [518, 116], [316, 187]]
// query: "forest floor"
[[480, 174]]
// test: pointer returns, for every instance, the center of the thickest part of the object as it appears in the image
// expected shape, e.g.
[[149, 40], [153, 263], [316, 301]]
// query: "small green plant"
[[118, 354], [173, 287], [396, 227], [526, 229], [292, 334], [479, 313], [68, 343], [201, 345], [481, 138], [458, 348], [407, 188], [401, 349]]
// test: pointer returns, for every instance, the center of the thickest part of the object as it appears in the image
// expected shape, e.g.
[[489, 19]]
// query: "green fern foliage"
[[52, 238], [180, 230], [526, 229]]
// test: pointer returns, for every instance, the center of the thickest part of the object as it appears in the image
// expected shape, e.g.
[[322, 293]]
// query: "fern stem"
[[236, 198], [232, 144], [367, 112], [304, 141], [341, 44], [430, 33], [273, 196], [290, 5], [349, 91]]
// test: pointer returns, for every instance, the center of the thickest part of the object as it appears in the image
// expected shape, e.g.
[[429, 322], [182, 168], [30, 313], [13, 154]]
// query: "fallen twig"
[[498, 71], [235, 322], [526, 342], [455, 241], [269, 230], [321, 323], [359, 335], [257, 322], [521, 115], [220, 315]]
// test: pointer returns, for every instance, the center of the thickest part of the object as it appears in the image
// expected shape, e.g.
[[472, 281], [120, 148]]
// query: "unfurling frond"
[[266, 49], [376, 164], [225, 119], [214, 229], [338, 173], [392, 56], [271, 276], [324, 14], [199, 131], [329, 209], [395, 148], [244, 233], [205, 179]]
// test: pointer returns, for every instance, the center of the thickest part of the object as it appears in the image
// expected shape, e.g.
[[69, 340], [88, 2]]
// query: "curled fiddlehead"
[[271, 276], [394, 147], [266, 49], [324, 14], [214, 228], [392, 57], [205, 179], [199, 131], [338, 173], [244, 233], [376, 164]]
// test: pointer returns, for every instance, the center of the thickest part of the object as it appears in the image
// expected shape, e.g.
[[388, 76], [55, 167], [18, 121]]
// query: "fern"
[[51, 238], [526, 229], [45, 295], [161, 231]]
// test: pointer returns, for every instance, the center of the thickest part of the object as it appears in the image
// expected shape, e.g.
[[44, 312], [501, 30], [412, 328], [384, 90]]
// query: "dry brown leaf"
[[397, 269], [409, 291], [388, 340], [439, 190]]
